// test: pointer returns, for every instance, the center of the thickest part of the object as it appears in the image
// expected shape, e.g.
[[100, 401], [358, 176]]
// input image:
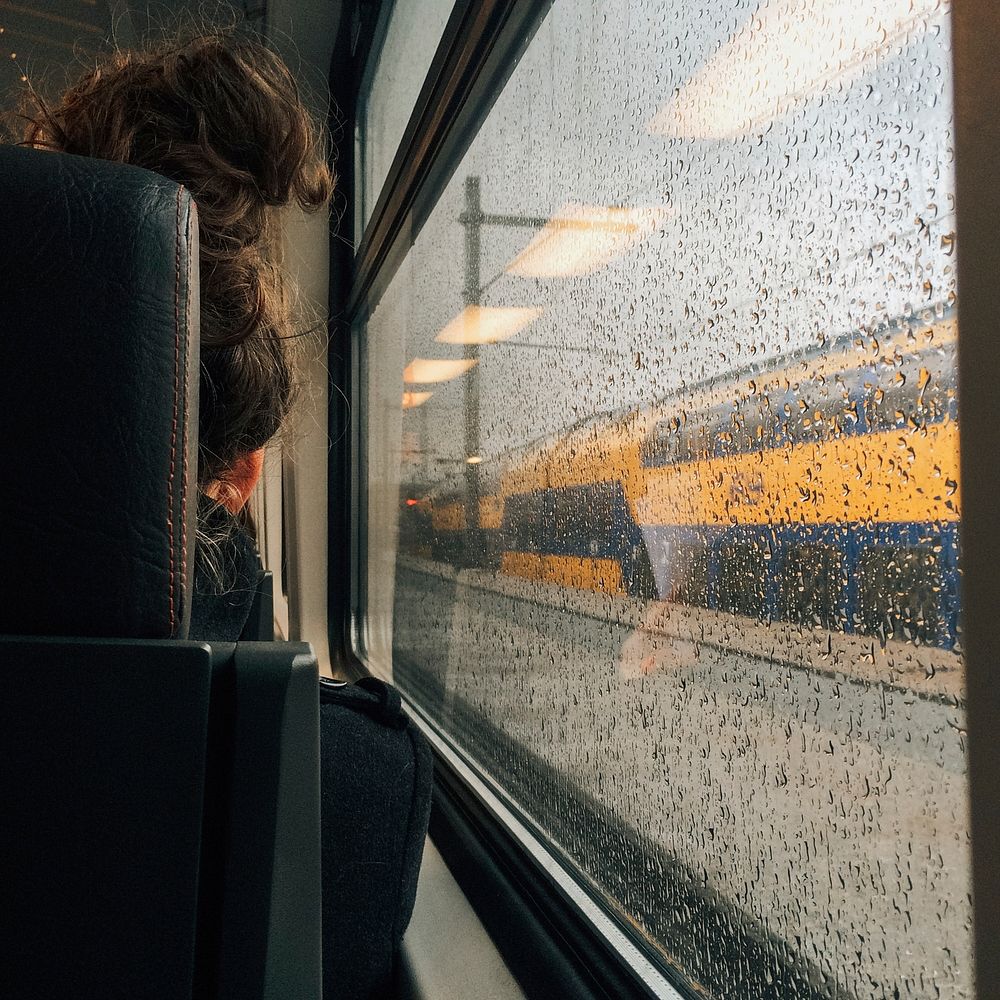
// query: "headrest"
[[99, 390]]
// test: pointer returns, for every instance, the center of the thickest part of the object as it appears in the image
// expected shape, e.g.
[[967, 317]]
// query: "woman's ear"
[[240, 480]]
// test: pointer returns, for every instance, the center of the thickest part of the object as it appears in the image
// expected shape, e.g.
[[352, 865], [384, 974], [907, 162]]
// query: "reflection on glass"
[[411, 399], [435, 370], [579, 239], [697, 607], [405, 56], [46, 50], [486, 324]]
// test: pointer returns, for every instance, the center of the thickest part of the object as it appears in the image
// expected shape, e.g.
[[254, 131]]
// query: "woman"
[[220, 114]]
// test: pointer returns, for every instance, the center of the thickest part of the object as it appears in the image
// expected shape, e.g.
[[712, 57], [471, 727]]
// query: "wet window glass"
[[742, 583], [899, 593], [402, 60], [813, 586], [662, 449], [690, 574]]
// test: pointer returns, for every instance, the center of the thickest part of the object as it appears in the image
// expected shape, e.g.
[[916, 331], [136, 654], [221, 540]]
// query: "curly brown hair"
[[221, 114]]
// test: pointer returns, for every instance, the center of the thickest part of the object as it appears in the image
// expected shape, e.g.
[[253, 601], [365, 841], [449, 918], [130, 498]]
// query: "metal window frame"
[[352, 51], [477, 52], [975, 42]]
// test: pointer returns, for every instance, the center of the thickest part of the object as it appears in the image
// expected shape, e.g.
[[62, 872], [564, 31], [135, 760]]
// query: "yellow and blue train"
[[822, 492]]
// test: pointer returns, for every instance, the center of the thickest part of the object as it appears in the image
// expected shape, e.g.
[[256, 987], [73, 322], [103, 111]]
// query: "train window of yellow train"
[[585, 516], [743, 579], [899, 594], [664, 444], [525, 523], [667, 365], [812, 586], [822, 419], [690, 585]]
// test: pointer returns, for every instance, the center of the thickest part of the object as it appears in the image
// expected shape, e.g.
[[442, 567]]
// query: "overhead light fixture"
[[581, 238], [784, 54], [487, 324], [412, 399], [474, 459], [436, 370]]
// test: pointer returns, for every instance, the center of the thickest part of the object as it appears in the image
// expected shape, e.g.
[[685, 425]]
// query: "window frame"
[[975, 37], [542, 935]]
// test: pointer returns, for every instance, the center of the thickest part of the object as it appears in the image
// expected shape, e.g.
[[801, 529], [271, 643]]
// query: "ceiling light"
[[487, 324], [440, 370], [581, 238], [412, 399]]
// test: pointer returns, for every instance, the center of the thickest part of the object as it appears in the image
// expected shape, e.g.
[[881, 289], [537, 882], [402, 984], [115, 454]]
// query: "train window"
[[808, 420], [674, 440], [811, 586], [689, 574], [742, 581], [900, 594], [694, 441], [753, 426], [922, 393], [628, 352], [525, 522], [566, 522], [583, 518], [663, 444]]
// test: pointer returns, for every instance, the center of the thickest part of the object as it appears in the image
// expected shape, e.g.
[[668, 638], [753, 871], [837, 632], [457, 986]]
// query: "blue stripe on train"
[[592, 521], [670, 546]]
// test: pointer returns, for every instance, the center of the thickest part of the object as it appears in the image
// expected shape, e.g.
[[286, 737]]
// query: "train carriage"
[[643, 442], [749, 497]]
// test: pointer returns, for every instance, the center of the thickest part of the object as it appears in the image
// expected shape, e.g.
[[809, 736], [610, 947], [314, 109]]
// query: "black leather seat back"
[[161, 825], [99, 374]]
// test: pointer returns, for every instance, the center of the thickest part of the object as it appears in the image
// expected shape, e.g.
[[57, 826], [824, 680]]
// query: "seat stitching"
[[187, 408], [173, 432]]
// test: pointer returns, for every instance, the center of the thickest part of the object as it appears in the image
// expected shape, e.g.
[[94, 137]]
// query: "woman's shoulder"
[[226, 575]]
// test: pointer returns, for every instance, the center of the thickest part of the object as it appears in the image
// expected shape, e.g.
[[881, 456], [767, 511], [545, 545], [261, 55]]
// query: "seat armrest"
[[270, 698], [161, 831]]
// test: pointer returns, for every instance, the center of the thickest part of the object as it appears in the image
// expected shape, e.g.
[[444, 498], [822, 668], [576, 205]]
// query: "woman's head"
[[220, 114]]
